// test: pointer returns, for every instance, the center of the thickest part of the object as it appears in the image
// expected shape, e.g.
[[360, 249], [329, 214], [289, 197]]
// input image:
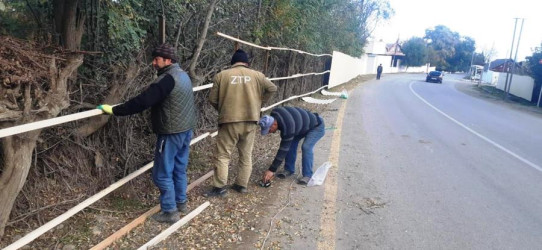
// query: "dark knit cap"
[[239, 56], [166, 51]]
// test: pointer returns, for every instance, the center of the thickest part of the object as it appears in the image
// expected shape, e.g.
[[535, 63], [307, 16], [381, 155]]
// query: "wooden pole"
[[266, 62], [162, 28], [62, 119], [48, 123]]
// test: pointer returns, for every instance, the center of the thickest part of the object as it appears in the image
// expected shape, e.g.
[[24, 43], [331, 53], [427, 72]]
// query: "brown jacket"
[[238, 94]]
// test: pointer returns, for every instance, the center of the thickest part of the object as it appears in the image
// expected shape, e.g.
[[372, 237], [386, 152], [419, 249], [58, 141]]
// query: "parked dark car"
[[434, 76]]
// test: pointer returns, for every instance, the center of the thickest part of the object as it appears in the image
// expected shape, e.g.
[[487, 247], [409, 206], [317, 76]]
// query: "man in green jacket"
[[173, 116], [237, 94]]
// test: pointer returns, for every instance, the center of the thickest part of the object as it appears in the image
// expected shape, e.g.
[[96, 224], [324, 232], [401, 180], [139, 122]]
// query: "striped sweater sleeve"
[[281, 153], [287, 127]]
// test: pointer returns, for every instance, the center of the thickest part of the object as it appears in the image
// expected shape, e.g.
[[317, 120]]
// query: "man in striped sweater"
[[294, 124]]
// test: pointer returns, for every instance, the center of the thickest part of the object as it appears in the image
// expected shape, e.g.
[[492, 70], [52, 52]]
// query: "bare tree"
[[17, 149], [37, 103], [196, 79]]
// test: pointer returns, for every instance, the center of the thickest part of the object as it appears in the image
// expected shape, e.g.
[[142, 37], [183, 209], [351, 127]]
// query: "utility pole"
[[510, 58], [540, 93], [515, 58], [471, 62]]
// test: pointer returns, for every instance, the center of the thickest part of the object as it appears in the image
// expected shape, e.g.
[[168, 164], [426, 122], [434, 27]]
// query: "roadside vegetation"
[[445, 49]]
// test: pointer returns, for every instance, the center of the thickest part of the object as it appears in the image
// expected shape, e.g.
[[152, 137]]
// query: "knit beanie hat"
[[239, 56], [166, 51]]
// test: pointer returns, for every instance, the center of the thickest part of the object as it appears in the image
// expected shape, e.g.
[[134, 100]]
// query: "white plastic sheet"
[[325, 92], [319, 175], [318, 101]]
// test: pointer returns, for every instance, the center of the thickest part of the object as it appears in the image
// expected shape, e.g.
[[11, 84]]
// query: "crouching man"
[[294, 124]]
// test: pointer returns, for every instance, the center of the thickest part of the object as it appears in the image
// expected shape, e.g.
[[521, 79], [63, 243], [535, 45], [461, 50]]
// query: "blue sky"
[[489, 23]]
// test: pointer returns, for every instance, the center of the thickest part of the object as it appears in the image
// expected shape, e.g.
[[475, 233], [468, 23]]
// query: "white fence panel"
[[522, 86], [420, 69], [490, 77], [370, 65], [386, 62], [344, 68]]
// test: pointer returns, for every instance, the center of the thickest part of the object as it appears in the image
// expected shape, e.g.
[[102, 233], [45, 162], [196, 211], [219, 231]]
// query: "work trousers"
[[231, 135], [169, 170], [307, 154]]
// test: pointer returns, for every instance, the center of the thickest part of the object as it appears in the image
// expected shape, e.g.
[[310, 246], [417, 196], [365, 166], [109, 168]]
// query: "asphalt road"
[[426, 166]]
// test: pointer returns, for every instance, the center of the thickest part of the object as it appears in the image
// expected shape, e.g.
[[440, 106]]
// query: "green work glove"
[[108, 109]]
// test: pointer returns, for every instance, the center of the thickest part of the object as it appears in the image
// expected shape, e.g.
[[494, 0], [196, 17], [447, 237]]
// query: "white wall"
[[386, 62], [421, 69], [344, 68], [371, 64], [374, 60], [490, 77], [375, 47], [521, 86]]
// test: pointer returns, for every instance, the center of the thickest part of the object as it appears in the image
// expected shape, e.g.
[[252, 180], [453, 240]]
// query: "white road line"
[[476, 133]]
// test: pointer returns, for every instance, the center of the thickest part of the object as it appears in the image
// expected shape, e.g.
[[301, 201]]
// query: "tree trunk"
[[196, 80], [69, 21], [17, 158]]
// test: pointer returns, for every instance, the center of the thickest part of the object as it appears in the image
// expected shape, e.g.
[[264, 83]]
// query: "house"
[[394, 50], [502, 65], [522, 85]]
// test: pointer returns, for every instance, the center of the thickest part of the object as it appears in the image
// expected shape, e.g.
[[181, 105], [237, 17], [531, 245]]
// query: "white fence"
[[344, 67], [490, 77], [521, 86]]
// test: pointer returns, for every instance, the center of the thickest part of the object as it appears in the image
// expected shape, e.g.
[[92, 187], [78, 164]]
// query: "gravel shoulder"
[[496, 96]]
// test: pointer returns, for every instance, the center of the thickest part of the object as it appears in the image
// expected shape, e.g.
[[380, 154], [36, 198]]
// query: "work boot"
[[303, 180], [166, 217], [284, 174], [181, 206], [239, 188], [216, 192]]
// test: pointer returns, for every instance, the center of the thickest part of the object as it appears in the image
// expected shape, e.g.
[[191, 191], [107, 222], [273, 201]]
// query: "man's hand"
[[267, 176], [108, 109]]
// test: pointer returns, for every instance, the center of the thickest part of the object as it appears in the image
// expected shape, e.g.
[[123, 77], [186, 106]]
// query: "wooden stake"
[[162, 28], [266, 62]]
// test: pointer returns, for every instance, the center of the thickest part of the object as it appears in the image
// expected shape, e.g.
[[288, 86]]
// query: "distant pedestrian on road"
[[379, 71], [173, 116], [294, 124], [238, 94]]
